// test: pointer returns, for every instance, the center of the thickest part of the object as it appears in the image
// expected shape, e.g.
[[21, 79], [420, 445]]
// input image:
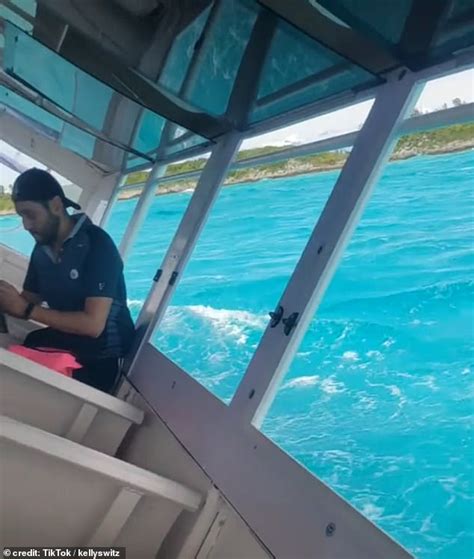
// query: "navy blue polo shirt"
[[89, 265]]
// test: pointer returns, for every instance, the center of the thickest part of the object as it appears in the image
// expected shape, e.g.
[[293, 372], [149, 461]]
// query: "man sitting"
[[76, 269]]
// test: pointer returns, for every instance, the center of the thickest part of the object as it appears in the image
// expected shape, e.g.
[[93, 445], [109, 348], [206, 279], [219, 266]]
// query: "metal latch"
[[290, 322], [276, 316]]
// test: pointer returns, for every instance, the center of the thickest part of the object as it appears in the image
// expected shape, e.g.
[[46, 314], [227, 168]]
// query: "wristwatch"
[[28, 311]]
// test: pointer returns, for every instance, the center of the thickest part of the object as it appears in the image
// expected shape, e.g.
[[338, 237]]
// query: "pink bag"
[[57, 360]]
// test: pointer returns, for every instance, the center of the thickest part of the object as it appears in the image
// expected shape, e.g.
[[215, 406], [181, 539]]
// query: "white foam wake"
[[227, 323]]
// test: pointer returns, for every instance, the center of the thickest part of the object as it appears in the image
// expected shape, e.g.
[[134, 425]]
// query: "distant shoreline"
[[292, 168], [296, 170]]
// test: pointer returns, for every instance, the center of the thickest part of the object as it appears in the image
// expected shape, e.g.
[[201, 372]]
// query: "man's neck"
[[66, 226]]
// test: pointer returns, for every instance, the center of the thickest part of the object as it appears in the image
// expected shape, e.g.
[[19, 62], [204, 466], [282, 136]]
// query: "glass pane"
[[153, 237], [56, 78], [16, 19], [49, 122], [151, 244], [292, 57], [378, 401], [72, 89], [13, 235], [241, 264], [70, 137], [221, 56], [299, 70], [149, 129], [122, 211], [181, 54]]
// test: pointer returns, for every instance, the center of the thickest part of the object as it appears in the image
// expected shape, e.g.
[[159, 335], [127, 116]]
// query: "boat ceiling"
[[126, 82]]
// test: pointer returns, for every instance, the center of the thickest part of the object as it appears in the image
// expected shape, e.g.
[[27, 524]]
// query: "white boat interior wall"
[[97, 90]]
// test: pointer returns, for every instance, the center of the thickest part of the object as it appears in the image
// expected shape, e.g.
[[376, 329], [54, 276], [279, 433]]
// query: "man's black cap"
[[36, 185]]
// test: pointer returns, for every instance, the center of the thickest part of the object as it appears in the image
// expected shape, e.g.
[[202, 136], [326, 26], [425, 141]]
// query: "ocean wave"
[[351, 356], [302, 382], [372, 511], [331, 386], [442, 290], [328, 385], [219, 316], [228, 323]]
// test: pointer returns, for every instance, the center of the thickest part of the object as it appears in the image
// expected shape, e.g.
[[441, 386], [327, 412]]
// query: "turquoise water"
[[378, 401]]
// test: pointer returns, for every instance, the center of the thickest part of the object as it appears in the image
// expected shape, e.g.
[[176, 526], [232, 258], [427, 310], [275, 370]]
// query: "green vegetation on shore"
[[6, 205], [442, 140]]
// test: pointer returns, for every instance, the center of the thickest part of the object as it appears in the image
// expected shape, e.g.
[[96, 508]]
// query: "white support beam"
[[315, 268], [11, 163], [141, 209], [82, 422], [115, 518], [46, 151], [97, 200]]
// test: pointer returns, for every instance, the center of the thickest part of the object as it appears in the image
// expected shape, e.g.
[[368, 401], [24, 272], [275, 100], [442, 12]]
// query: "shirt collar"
[[81, 221]]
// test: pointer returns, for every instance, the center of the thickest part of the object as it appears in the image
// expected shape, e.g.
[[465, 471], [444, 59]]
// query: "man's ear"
[[56, 205]]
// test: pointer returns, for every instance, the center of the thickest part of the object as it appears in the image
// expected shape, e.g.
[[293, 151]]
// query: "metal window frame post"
[[141, 210], [184, 240], [317, 264]]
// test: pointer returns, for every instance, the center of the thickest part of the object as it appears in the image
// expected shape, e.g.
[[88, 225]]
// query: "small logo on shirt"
[[74, 274], [101, 286]]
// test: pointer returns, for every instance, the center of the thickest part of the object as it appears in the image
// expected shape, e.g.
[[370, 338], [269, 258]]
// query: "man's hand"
[[11, 302]]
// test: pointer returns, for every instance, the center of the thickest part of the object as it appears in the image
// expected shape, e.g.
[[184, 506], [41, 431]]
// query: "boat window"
[[381, 386], [299, 70], [56, 78], [12, 233], [158, 228], [121, 213], [181, 54], [148, 133], [237, 273], [68, 115], [153, 133], [17, 19]]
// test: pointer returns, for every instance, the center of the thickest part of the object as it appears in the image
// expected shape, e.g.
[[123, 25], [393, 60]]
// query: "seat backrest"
[[63, 406], [58, 493]]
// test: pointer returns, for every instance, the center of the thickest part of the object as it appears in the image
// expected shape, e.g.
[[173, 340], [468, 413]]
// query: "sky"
[[434, 95]]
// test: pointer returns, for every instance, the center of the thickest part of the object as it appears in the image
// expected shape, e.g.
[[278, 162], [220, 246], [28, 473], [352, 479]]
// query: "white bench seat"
[[35, 395], [54, 492]]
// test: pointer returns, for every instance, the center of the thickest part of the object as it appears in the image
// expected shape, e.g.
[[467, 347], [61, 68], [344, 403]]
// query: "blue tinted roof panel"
[[221, 56], [181, 54]]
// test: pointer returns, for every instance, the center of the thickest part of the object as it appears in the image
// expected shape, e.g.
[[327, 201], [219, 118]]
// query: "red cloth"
[[57, 360]]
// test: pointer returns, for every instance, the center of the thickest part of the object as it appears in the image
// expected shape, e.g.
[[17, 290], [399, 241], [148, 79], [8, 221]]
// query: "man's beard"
[[50, 233]]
